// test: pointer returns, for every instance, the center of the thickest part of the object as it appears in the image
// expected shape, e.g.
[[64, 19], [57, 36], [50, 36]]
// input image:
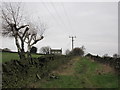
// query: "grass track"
[[85, 75]]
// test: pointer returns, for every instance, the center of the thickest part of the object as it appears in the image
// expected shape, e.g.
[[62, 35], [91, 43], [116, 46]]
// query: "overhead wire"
[[50, 12], [68, 19], [67, 44], [60, 18]]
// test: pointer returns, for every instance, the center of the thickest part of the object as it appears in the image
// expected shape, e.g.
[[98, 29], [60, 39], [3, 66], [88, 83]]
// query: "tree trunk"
[[29, 54], [21, 55], [21, 52], [22, 49]]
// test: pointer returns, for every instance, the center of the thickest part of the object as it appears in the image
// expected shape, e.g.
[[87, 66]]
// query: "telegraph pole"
[[72, 40]]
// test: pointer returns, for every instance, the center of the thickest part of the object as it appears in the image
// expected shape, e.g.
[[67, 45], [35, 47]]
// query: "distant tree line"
[[5, 50]]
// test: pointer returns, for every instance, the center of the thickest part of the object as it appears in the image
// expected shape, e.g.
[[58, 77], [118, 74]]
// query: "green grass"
[[63, 82], [105, 81], [6, 56], [88, 69], [85, 76]]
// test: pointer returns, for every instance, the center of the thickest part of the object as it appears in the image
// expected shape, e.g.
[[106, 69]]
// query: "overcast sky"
[[95, 25]]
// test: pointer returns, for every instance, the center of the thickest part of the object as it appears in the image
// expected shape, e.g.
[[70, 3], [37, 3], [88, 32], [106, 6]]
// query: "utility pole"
[[72, 40]]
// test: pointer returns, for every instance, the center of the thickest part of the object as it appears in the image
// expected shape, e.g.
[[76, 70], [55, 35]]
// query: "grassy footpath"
[[86, 74], [6, 56]]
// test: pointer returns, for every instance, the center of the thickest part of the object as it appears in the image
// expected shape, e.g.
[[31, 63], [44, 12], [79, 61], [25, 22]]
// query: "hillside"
[[80, 73], [58, 72]]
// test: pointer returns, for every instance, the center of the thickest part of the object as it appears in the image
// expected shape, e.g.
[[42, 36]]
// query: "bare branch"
[[25, 32], [23, 26], [4, 16], [37, 40]]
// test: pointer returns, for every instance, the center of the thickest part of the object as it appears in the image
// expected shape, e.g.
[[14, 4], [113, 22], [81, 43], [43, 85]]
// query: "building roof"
[[56, 49]]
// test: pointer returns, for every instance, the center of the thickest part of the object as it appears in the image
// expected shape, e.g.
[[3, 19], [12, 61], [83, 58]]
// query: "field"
[[6, 56]]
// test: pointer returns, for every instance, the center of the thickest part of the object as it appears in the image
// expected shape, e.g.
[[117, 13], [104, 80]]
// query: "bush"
[[77, 52], [33, 50], [17, 74]]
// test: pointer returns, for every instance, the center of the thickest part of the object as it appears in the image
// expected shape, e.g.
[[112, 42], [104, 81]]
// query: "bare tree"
[[14, 25], [34, 34], [67, 52], [83, 47], [11, 25], [45, 50]]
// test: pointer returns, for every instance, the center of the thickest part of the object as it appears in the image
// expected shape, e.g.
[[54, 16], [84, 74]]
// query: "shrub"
[[77, 52], [19, 73], [33, 50]]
